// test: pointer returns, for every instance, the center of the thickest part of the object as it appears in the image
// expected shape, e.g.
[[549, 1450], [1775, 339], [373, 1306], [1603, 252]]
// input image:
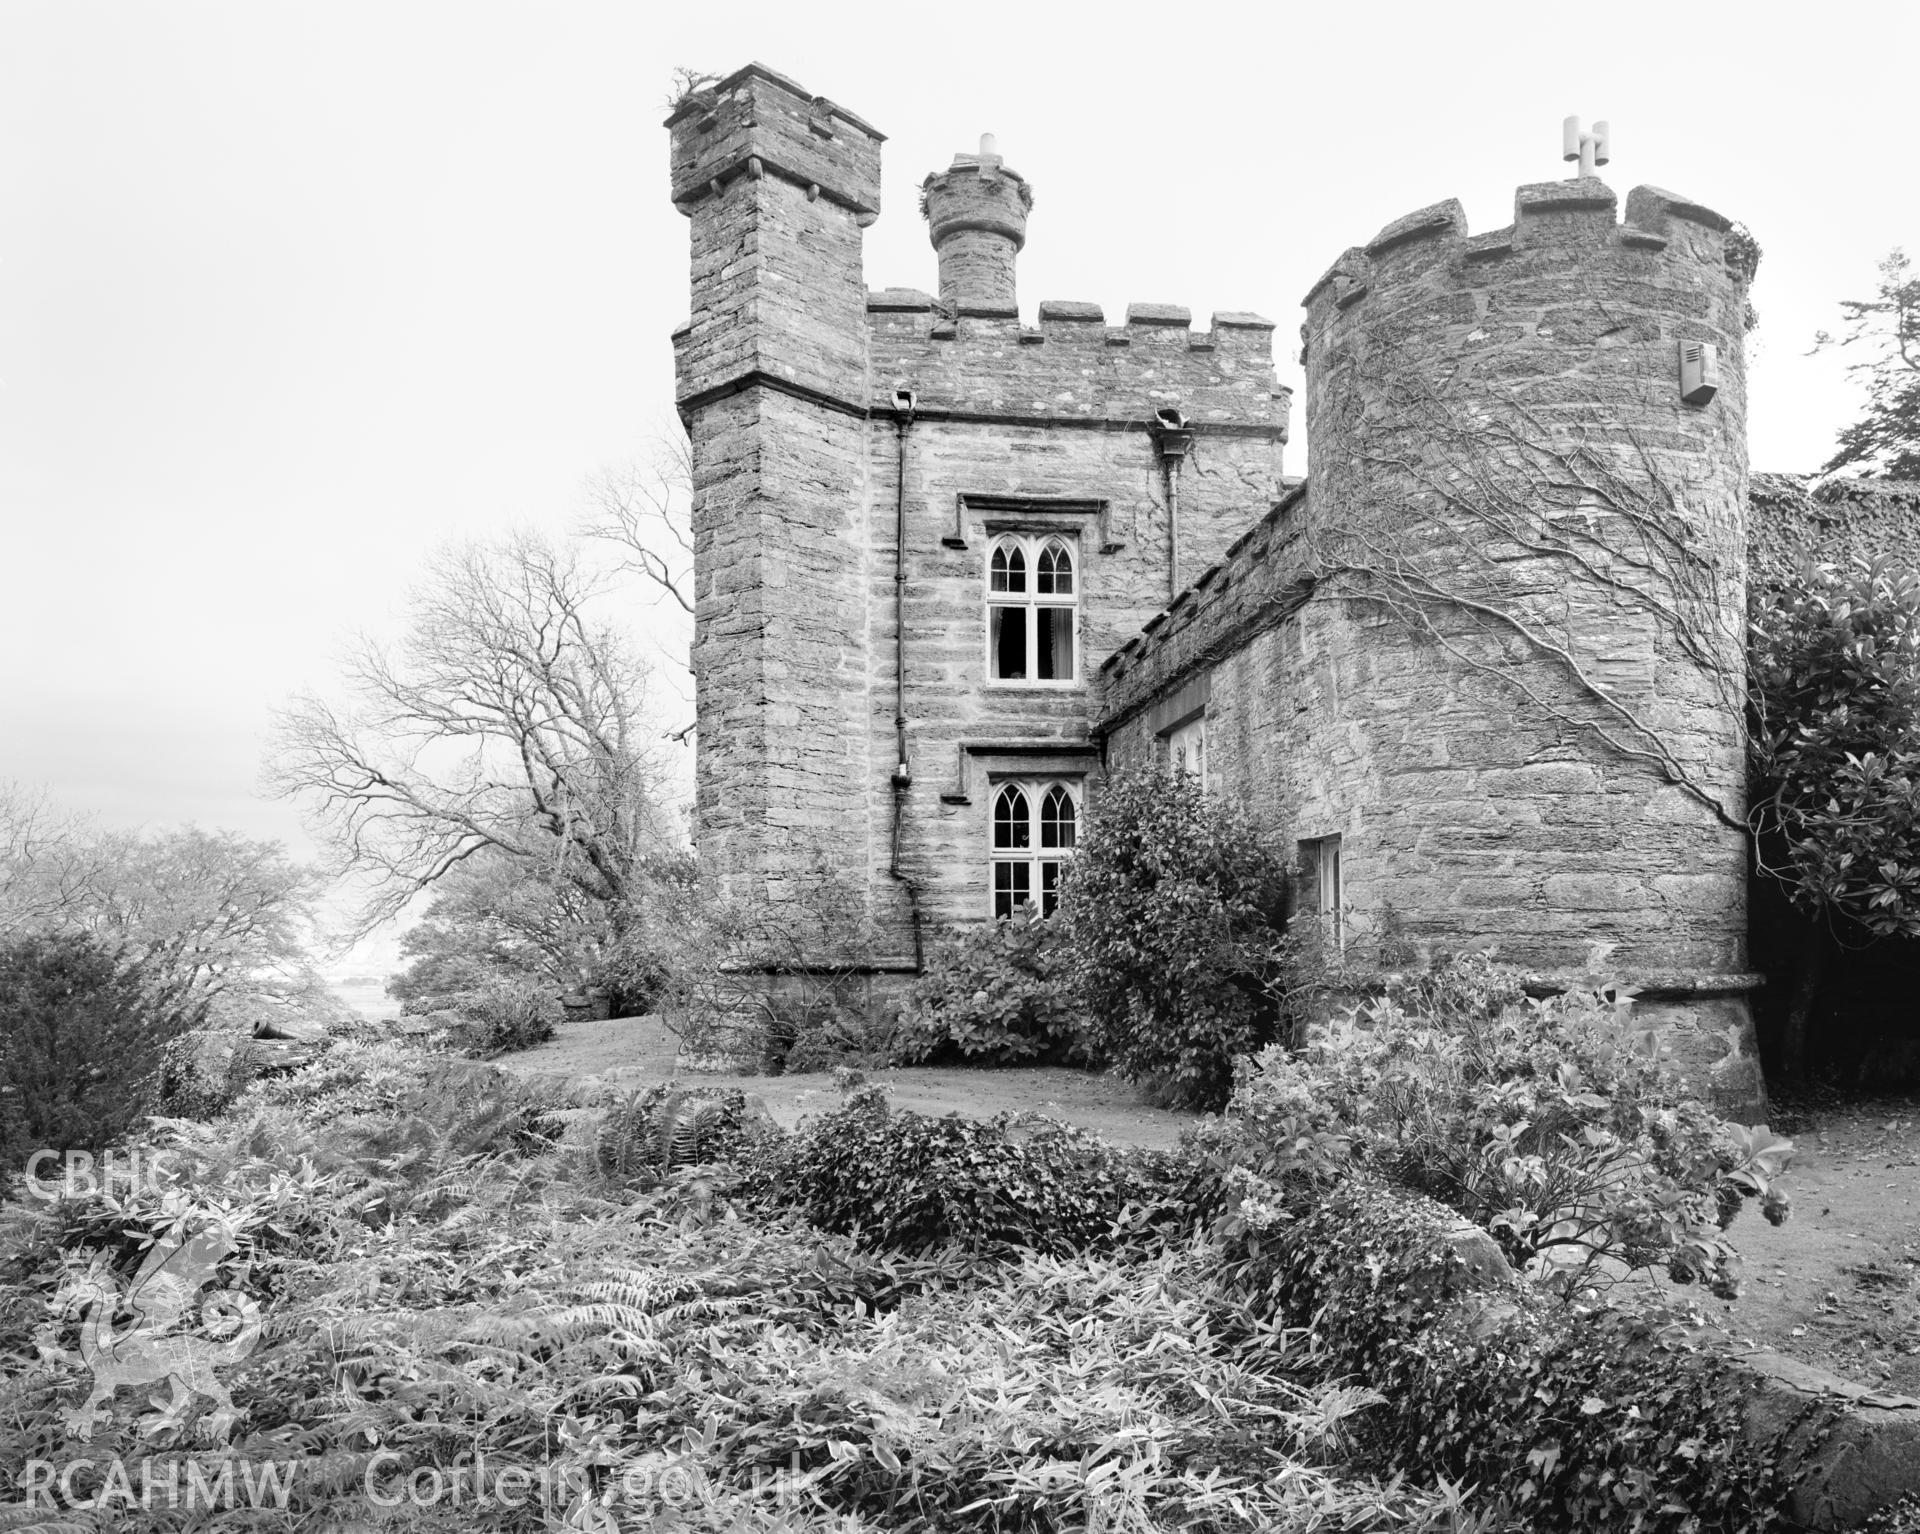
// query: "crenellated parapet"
[[757, 123], [1593, 329], [778, 186], [1665, 238], [1073, 367], [1264, 577]]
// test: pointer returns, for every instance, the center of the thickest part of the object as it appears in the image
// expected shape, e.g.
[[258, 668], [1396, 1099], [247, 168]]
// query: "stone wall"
[[772, 376], [804, 395], [1494, 645], [1048, 428]]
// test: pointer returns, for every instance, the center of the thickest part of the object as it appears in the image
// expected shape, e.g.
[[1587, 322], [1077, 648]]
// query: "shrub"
[[366, 1101], [1550, 1124], [777, 982], [503, 1015], [1570, 1417], [784, 1378], [910, 1182], [1059, 1394], [351, 1078], [1834, 667], [819, 1027], [1834, 762], [83, 1043], [997, 993], [1173, 906]]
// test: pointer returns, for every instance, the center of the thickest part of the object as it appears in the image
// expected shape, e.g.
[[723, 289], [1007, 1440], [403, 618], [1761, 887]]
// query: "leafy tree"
[[497, 917], [1885, 442], [1834, 759], [208, 916], [51, 864], [1174, 906], [509, 722], [83, 1037]]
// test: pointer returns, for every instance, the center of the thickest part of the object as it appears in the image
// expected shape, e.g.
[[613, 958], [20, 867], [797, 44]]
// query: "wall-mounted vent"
[[1699, 371]]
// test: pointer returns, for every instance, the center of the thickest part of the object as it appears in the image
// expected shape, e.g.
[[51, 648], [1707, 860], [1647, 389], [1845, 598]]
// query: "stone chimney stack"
[[976, 210]]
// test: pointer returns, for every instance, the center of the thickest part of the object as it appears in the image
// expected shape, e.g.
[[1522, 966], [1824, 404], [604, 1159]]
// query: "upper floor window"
[[1036, 825], [1033, 599]]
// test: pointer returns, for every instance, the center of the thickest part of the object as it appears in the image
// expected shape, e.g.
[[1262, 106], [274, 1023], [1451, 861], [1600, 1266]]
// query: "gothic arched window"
[[1033, 597], [1036, 826]]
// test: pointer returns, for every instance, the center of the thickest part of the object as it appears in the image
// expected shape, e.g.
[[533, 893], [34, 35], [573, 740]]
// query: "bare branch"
[[1523, 549], [506, 722], [645, 511]]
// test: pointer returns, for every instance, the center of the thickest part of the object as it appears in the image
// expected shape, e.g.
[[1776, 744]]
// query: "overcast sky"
[[292, 293]]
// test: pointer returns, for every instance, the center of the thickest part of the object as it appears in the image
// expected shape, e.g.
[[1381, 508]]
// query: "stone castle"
[[1482, 666]]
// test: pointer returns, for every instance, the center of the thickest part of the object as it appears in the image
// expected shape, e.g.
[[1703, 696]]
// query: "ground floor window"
[[1187, 749], [1321, 887], [1036, 825]]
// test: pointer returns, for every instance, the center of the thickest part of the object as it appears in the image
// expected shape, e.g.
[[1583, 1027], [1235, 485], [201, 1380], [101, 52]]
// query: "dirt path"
[[628, 1054], [1838, 1285]]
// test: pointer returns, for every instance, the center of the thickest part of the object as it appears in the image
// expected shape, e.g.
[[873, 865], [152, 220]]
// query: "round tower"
[[976, 211], [1528, 469]]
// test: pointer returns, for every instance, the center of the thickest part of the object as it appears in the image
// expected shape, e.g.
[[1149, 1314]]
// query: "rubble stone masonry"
[[1493, 644], [795, 383]]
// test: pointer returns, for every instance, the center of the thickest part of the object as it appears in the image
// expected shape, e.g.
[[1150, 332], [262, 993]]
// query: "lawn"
[[629, 1053]]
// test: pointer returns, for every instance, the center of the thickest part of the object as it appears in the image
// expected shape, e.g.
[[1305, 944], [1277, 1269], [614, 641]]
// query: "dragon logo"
[[155, 1347]]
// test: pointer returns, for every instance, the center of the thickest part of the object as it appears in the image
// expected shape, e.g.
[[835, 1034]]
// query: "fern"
[[649, 1135]]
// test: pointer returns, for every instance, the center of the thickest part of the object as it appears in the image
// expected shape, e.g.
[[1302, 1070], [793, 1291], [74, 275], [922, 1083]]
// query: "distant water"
[[367, 997]]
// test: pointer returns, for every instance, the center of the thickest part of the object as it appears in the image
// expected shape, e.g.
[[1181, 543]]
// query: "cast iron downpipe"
[[902, 771], [1172, 438]]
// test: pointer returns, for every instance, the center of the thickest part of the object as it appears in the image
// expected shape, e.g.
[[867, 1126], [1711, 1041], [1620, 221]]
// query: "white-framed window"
[[1036, 826], [1187, 749], [1033, 605], [1320, 877]]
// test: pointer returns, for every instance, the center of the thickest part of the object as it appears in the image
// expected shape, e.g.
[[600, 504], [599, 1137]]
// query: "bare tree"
[[644, 509], [508, 718]]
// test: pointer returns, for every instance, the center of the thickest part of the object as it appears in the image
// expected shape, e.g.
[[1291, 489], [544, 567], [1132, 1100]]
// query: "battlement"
[[1074, 365], [1553, 218], [1070, 321], [1260, 580], [758, 123]]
